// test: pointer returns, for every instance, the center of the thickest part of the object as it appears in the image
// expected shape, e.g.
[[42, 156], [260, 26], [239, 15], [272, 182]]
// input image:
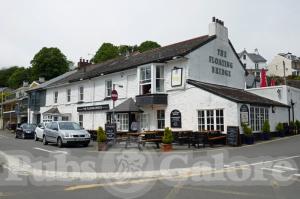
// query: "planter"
[[249, 140], [281, 134], [166, 147], [265, 136], [102, 146]]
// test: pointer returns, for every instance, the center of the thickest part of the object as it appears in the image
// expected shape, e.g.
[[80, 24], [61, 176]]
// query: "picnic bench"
[[210, 137], [152, 137]]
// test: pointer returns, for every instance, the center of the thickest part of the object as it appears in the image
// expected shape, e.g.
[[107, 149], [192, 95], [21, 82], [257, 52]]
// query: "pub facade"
[[197, 84]]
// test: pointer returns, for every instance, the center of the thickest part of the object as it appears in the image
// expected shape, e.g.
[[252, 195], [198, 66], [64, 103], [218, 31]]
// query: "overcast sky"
[[79, 27]]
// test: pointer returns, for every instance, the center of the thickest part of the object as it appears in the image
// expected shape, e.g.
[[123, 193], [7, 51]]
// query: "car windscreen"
[[29, 126], [69, 126]]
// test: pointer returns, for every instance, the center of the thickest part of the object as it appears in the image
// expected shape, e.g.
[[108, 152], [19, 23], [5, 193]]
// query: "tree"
[[148, 45], [105, 52], [19, 76], [5, 74], [49, 63]]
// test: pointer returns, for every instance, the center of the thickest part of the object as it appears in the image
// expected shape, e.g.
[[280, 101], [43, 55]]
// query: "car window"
[[28, 126], [69, 126], [49, 125], [54, 126]]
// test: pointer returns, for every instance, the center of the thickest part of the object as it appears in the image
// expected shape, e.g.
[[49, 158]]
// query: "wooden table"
[[133, 138]]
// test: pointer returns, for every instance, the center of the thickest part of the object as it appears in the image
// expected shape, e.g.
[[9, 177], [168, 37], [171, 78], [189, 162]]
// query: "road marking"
[[285, 168], [45, 150], [273, 170]]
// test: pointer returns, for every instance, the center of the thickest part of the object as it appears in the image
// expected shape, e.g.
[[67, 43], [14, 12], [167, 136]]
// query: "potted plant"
[[101, 139], [167, 140], [248, 135], [266, 130], [280, 129], [297, 123]]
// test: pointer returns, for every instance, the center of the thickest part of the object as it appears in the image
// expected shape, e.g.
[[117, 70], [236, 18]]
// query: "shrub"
[[247, 130], [101, 136], [266, 127], [279, 127], [168, 136], [297, 123], [292, 125]]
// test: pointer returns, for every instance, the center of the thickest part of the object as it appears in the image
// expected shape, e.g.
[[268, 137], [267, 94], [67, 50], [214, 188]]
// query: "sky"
[[79, 27]]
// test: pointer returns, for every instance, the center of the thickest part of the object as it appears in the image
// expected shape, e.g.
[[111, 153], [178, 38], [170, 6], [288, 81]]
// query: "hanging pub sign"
[[176, 77], [93, 108], [175, 117], [233, 136], [244, 112]]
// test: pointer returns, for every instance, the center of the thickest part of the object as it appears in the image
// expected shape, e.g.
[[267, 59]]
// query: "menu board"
[[175, 117], [233, 136], [111, 131]]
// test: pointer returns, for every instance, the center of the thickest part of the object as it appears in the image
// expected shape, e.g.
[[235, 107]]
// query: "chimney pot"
[[214, 19]]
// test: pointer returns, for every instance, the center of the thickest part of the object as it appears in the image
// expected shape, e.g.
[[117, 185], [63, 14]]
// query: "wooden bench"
[[212, 136], [152, 137]]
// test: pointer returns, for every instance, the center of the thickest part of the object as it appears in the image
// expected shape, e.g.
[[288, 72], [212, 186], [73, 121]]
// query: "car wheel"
[[59, 143], [23, 135], [45, 141], [16, 136], [35, 137]]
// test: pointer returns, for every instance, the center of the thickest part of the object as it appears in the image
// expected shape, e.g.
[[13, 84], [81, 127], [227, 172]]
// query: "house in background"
[[284, 64], [254, 63]]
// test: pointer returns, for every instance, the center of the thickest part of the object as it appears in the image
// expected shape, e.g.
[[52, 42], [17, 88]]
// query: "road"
[[264, 170]]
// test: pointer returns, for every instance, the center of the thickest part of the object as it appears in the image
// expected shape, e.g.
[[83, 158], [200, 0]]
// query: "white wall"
[[275, 68], [199, 67]]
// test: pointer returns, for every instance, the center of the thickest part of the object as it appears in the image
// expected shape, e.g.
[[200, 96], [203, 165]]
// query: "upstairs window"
[[55, 97], [159, 79], [145, 80], [244, 57], [108, 88], [68, 95], [81, 93]]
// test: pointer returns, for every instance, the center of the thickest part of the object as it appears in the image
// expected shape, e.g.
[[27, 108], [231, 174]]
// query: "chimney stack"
[[82, 64], [217, 28]]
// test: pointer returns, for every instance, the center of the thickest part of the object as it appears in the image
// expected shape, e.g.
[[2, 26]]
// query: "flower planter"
[[249, 140], [102, 146], [166, 147]]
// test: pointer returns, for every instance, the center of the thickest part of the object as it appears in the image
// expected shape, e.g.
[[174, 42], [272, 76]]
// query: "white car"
[[39, 131]]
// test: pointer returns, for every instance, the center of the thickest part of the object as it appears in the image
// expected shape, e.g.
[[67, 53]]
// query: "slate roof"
[[127, 106], [132, 61], [256, 58], [52, 111], [234, 94]]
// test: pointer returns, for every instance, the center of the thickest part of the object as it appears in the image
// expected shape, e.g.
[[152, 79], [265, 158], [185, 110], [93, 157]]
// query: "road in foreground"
[[265, 170]]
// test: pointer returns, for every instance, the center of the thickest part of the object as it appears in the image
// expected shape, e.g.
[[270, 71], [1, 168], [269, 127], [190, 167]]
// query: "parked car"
[[39, 131], [64, 133], [25, 131]]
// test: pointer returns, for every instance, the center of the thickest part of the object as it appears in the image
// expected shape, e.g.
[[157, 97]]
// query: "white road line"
[[285, 168], [273, 170], [45, 150]]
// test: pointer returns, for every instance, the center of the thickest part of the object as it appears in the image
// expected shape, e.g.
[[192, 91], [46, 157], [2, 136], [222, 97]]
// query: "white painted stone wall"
[[275, 67]]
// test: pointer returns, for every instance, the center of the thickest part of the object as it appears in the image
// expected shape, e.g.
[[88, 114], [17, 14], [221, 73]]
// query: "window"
[[245, 65], [211, 120], [81, 93], [258, 115], [80, 120], [244, 57], [145, 80], [47, 118], [64, 118], [108, 88], [123, 122], [159, 79], [55, 97], [144, 118], [68, 95], [54, 126], [160, 119], [256, 66]]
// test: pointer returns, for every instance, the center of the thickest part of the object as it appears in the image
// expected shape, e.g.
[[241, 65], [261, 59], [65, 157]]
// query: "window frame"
[[69, 95], [80, 119], [81, 94], [258, 115], [55, 99], [161, 119], [123, 122], [108, 94], [160, 79], [209, 120]]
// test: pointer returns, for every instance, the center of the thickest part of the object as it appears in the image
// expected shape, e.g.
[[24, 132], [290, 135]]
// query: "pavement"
[[269, 169]]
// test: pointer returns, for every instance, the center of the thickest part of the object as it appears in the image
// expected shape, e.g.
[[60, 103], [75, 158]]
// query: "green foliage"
[[168, 136], [147, 45], [279, 127], [247, 130], [101, 136], [20, 75], [5, 74], [49, 63], [292, 124], [105, 52], [266, 127]]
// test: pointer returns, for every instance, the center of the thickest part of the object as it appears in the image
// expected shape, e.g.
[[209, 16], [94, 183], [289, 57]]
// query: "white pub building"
[[194, 85]]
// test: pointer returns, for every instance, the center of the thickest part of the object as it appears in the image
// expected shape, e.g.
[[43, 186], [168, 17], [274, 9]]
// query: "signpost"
[[233, 136], [114, 97], [175, 119]]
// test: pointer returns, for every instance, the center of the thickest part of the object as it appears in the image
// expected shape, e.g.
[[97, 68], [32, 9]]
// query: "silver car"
[[63, 133]]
